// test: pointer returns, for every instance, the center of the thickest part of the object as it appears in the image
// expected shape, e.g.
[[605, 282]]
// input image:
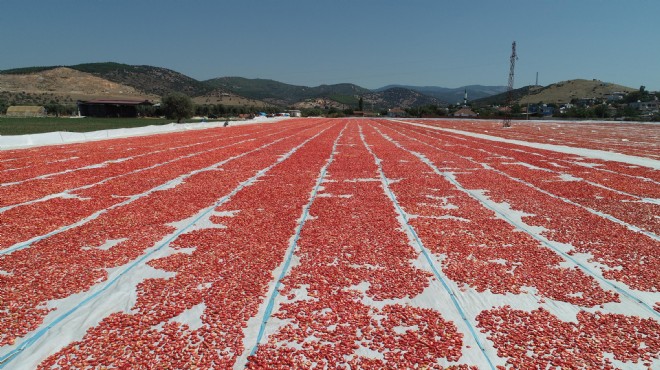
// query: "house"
[[111, 108], [295, 113], [542, 109], [645, 106], [26, 111], [396, 112], [615, 96], [465, 112]]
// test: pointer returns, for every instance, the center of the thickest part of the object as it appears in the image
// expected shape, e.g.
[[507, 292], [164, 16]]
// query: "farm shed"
[[26, 111], [110, 108]]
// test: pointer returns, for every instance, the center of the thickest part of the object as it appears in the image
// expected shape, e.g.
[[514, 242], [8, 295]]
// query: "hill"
[[500, 99], [338, 96], [453, 95], [148, 79], [399, 97], [62, 84], [41, 85], [559, 93], [152, 80], [565, 91], [281, 93]]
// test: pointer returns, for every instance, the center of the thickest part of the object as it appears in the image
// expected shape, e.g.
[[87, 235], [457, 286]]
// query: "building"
[[26, 111], [396, 112], [645, 106], [295, 113], [111, 108], [540, 109], [615, 96], [465, 112]]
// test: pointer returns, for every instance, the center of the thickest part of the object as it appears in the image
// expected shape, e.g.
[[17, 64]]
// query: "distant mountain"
[[399, 97], [500, 99], [40, 85], [453, 95], [152, 80], [281, 93]]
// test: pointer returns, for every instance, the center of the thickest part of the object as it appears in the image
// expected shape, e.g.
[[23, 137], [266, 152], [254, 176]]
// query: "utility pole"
[[509, 94]]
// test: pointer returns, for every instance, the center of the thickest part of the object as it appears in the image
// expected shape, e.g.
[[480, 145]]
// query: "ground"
[[338, 243]]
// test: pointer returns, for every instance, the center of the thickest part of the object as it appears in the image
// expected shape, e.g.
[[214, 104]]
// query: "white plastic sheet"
[[63, 137]]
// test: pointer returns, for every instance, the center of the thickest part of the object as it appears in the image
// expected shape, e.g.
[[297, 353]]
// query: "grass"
[[23, 126]]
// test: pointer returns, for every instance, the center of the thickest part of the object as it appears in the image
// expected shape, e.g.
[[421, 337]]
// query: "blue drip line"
[[544, 241], [426, 254], [294, 244], [23, 245]]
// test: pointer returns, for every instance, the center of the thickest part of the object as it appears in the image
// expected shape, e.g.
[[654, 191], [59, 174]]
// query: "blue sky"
[[371, 43]]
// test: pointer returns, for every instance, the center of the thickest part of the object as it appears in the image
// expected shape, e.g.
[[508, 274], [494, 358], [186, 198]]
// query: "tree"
[[360, 104], [601, 110], [3, 106], [177, 106]]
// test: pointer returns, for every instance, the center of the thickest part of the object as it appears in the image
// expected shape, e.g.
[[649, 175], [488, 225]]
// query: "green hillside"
[[282, 93]]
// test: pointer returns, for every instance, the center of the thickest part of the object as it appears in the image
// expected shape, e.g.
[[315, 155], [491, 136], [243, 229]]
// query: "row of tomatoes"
[[343, 304], [24, 164], [74, 260], [487, 253], [95, 189], [623, 195], [223, 266], [626, 253], [344, 295], [627, 138], [586, 343], [103, 169], [482, 250]]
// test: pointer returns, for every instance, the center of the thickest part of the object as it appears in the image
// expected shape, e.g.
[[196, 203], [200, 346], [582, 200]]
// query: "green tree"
[[56, 109], [640, 95], [601, 111], [630, 112], [360, 104], [177, 106]]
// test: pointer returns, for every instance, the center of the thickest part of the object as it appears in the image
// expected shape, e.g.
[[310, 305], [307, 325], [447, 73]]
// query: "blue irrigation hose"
[[403, 214], [294, 244], [544, 240]]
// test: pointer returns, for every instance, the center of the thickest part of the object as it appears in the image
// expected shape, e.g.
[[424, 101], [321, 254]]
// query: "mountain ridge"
[[117, 79]]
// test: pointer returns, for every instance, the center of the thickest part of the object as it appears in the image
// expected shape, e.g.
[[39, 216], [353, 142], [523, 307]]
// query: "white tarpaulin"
[[63, 137]]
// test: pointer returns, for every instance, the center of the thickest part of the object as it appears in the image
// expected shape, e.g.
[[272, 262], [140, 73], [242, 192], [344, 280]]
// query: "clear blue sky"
[[371, 43]]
